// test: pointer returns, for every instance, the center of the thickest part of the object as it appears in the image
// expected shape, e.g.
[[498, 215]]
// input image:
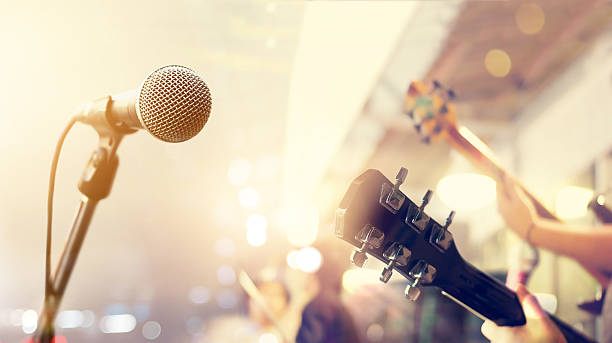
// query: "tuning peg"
[[437, 129], [410, 113], [424, 203], [398, 255], [412, 292], [400, 177], [451, 94], [415, 275], [440, 237], [358, 258], [371, 238], [417, 127], [449, 220], [426, 140], [426, 198], [390, 196], [437, 84]]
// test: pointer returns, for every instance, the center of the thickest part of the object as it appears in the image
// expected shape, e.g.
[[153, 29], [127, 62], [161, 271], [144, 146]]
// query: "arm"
[[589, 245]]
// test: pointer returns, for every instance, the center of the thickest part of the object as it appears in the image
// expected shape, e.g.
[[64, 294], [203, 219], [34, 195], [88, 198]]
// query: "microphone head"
[[173, 103]]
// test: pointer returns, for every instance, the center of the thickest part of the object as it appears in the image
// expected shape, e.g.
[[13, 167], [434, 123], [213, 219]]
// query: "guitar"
[[380, 220], [435, 118]]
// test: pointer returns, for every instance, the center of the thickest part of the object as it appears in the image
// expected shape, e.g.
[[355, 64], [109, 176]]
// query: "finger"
[[488, 329], [530, 303]]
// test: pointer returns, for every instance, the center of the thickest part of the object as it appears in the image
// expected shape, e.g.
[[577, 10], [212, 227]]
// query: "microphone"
[[173, 103]]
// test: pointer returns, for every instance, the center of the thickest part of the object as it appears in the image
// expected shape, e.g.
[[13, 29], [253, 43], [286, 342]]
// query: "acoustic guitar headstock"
[[431, 109], [381, 221]]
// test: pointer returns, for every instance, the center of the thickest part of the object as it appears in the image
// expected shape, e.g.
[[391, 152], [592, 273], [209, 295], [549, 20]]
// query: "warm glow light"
[[308, 259], [70, 319], [239, 171], [248, 197], [268, 338], [301, 223], [256, 230], [29, 321], [498, 63], [601, 200], [466, 191], [530, 18], [572, 202], [118, 323], [292, 259], [353, 279]]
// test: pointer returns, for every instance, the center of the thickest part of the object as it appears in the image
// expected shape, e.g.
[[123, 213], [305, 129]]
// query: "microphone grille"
[[173, 103]]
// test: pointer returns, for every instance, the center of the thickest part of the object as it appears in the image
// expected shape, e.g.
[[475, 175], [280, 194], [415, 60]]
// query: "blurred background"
[[306, 96]]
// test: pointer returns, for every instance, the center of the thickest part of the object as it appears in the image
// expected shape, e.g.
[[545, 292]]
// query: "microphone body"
[[173, 104]]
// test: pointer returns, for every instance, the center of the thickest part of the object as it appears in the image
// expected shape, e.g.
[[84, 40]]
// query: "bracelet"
[[528, 234]]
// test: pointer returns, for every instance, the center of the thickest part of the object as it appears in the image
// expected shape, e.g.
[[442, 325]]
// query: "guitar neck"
[[477, 152], [491, 299]]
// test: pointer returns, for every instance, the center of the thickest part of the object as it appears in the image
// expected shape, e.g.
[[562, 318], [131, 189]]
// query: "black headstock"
[[380, 220]]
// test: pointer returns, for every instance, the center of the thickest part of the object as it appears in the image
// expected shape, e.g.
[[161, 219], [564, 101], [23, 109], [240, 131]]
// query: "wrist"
[[530, 232]]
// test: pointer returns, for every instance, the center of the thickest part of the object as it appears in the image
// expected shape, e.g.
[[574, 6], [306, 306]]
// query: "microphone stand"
[[95, 184]]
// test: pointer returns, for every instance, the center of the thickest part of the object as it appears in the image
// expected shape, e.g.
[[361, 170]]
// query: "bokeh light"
[[151, 330], [301, 222], [70, 319], [29, 321], [572, 202], [239, 171], [354, 279], [308, 259], [498, 63], [248, 197], [466, 191], [226, 275], [268, 338], [292, 259], [227, 299], [118, 323], [256, 230], [194, 325], [199, 295], [225, 247], [530, 18]]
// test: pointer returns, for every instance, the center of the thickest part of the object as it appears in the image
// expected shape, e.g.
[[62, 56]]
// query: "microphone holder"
[[95, 184]]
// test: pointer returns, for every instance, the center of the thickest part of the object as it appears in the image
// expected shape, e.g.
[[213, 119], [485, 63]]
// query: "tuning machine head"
[[424, 202], [390, 196], [421, 272], [398, 255], [440, 237], [370, 238]]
